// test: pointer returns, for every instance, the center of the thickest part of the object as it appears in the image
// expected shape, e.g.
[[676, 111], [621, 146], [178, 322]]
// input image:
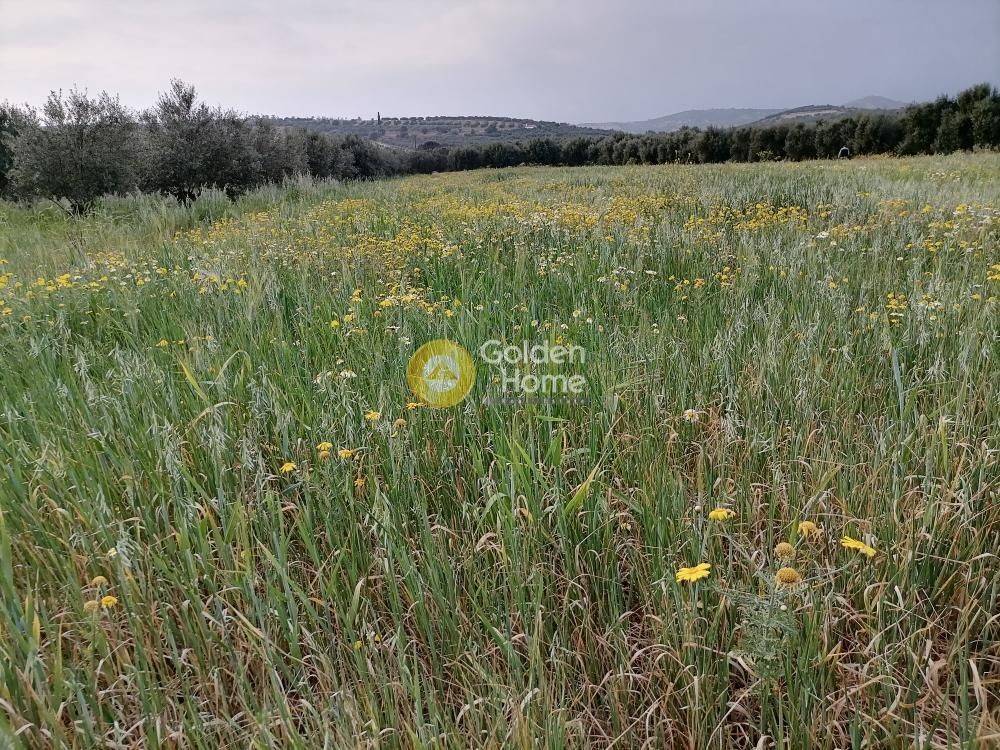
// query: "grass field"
[[227, 522]]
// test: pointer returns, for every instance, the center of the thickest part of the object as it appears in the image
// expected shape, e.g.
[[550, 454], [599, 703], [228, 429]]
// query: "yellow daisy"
[[849, 543], [690, 575]]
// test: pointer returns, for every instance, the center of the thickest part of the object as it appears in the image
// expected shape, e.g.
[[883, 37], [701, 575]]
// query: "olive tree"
[[77, 148]]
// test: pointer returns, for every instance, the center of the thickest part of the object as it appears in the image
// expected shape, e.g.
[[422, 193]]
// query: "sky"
[[565, 60]]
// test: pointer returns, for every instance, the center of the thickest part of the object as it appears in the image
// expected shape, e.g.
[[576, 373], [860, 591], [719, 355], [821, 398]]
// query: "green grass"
[[503, 574]]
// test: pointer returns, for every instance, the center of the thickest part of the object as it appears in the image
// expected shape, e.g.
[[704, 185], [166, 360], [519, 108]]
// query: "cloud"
[[552, 59]]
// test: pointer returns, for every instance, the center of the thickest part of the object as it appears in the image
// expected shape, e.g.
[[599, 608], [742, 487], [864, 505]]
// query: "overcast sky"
[[568, 60]]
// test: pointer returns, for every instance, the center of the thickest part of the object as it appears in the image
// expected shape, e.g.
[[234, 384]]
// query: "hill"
[[416, 133], [819, 112], [875, 102], [690, 118], [734, 117], [429, 132]]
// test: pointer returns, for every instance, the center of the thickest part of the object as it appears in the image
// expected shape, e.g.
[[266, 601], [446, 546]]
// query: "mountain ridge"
[[727, 117], [430, 132], [713, 117], [873, 101]]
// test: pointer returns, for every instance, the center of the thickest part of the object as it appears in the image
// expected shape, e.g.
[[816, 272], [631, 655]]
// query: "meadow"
[[226, 521]]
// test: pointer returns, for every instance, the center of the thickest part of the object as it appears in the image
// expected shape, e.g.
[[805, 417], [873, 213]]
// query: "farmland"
[[228, 522], [432, 132]]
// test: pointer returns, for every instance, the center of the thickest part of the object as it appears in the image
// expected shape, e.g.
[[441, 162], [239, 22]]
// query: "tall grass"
[[812, 342]]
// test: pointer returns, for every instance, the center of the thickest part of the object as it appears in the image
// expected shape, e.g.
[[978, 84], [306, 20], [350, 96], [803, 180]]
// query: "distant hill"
[[728, 118], [820, 112], [430, 132], [874, 102], [691, 118], [415, 133]]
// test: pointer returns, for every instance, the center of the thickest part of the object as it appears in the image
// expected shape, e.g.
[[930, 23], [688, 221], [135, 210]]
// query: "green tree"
[[800, 143], [7, 133], [76, 149], [712, 146], [876, 134], [954, 133], [192, 146], [985, 116], [920, 126], [981, 103]]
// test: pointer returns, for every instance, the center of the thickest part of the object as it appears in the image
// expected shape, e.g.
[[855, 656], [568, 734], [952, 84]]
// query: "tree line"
[[78, 148], [970, 120]]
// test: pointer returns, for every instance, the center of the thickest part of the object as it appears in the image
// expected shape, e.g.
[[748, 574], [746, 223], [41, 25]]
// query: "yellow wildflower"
[[373, 416], [107, 602], [849, 543], [345, 453], [721, 514], [99, 581], [808, 529], [784, 550], [690, 575], [788, 577], [324, 446], [287, 468], [413, 405]]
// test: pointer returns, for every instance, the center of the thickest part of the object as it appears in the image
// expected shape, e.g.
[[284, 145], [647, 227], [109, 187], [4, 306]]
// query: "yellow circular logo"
[[441, 373]]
